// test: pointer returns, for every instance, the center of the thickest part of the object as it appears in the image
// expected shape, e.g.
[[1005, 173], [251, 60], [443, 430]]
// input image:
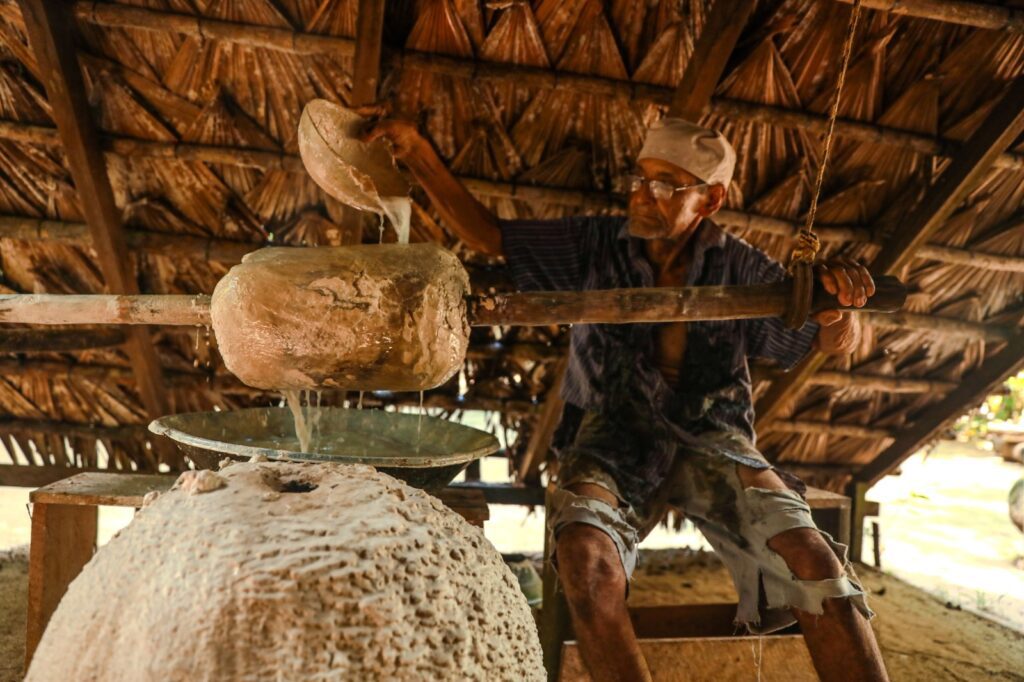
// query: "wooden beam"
[[722, 27], [226, 251], [976, 14], [20, 476], [867, 382], [30, 427], [53, 40], [972, 161], [977, 384], [828, 429], [504, 493], [936, 324], [543, 429], [365, 80], [58, 340], [107, 14], [231, 251], [366, 67], [968, 167]]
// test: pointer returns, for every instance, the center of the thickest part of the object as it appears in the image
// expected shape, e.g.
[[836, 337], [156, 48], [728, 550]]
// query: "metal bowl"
[[423, 451]]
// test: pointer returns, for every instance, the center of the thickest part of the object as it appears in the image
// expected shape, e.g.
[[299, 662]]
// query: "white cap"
[[701, 151]]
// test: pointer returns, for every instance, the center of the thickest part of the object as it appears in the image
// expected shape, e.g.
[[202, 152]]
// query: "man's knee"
[[590, 568], [807, 554]]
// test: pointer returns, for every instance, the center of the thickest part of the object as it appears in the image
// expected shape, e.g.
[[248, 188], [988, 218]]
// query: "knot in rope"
[[805, 250]]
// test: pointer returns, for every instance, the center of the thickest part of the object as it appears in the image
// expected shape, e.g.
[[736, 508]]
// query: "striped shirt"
[[610, 364]]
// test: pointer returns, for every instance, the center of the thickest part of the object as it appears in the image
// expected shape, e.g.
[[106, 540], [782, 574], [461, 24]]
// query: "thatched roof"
[[540, 106]]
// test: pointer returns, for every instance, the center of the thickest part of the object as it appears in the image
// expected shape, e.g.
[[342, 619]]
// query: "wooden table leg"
[[63, 541]]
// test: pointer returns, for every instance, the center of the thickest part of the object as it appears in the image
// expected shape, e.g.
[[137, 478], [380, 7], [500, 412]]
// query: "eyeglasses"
[[659, 189]]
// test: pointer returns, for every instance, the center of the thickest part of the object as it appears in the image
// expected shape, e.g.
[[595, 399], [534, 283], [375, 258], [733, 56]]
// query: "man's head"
[[687, 170]]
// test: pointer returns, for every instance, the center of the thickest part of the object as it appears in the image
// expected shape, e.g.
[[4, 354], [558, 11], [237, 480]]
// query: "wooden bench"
[[692, 633], [698, 642], [64, 525]]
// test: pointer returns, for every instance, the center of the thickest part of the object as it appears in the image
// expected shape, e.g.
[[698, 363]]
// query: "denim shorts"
[[704, 485]]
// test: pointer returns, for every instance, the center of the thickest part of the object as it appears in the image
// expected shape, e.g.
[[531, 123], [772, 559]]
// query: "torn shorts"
[[704, 485]]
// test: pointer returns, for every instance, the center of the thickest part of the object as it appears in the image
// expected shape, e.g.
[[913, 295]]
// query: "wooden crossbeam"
[[969, 166], [722, 28], [828, 429], [976, 14], [867, 382], [977, 384], [294, 42], [24, 227], [28, 427], [53, 40]]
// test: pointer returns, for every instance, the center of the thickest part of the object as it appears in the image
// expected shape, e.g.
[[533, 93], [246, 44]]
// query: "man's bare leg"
[[841, 641], [594, 581]]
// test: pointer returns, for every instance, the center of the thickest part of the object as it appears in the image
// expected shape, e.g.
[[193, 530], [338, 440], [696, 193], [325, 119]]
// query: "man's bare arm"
[[471, 221]]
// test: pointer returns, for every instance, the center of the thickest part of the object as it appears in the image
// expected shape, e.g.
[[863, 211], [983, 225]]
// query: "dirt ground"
[[13, 604], [921, 637]]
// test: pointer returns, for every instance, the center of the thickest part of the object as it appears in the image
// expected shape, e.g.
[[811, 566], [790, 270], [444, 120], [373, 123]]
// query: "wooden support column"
[[53, 40], [710, 56], [543, 430], [972, 161]]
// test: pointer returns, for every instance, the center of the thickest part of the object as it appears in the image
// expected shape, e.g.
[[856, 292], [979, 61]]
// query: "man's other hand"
[[851, 283]]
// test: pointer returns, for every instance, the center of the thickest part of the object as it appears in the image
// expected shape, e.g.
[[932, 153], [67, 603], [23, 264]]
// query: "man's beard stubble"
[[651, 224]]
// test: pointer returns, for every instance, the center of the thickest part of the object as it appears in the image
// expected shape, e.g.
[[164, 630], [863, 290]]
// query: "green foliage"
[[1007, 405]]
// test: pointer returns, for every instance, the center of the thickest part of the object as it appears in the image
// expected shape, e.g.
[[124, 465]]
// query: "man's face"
[[651, 218]]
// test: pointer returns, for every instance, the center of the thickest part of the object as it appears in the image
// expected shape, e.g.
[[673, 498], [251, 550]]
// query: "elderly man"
[[661, 414]]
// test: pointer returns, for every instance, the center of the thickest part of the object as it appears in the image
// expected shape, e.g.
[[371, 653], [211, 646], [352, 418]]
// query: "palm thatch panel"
[[201, 138]]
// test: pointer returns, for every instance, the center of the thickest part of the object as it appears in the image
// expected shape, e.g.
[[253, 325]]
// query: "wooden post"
[[51, 35], [555, 624], [857, 493], [63, 541]]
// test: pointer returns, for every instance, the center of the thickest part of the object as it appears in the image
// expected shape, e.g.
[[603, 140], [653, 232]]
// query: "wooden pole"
[[51, 35], [662, 304], [105, 309]]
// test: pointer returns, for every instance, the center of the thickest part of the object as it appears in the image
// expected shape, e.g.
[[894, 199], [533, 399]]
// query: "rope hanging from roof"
[[805, 251]]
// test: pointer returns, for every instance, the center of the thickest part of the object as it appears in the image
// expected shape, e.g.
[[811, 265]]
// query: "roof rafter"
[[978, 384], [265, 160], [971, 163], [710, 55], [295, 42], [953, 11], [52, 38]]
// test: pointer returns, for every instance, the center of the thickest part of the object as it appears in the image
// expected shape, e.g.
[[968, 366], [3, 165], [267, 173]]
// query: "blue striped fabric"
[[612, 363]]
